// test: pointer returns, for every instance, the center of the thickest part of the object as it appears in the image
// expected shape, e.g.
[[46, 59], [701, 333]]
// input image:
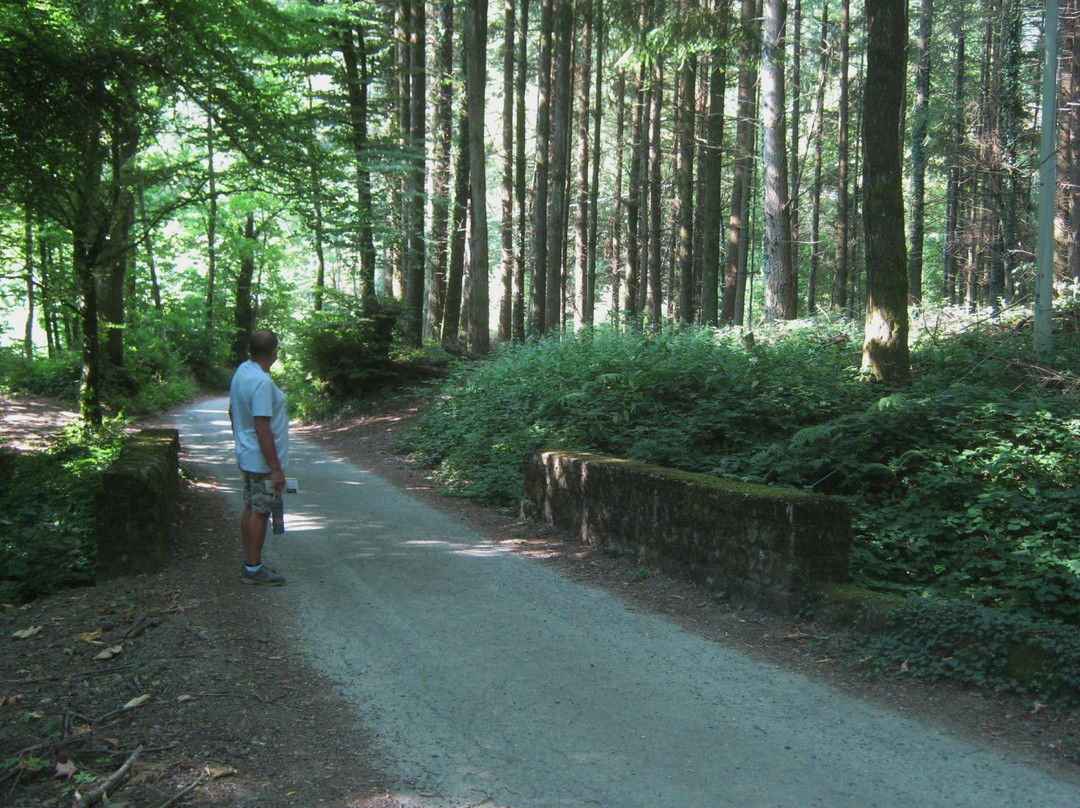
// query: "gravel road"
[[492, 680]]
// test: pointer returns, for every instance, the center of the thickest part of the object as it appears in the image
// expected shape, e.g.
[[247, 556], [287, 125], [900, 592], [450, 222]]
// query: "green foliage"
[[342, 352], [677, 399], [153, 376], [51, 377], [938, 639], [47, 502], [963, 485]]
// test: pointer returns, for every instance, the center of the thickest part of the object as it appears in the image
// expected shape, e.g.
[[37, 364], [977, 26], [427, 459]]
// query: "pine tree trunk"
[[711, 187], [739, 221], [599, 36], [440, 169], [795, 163], [953, 248], [684, 181], [819, 145], [474, 35], [559, 198], [451, 324], [636, 202], [619, 270], [354, 60], [843, 228], [414, 249], [506, 304], [655, 297], [519, 176], [582, 303], [538, 289], [919, 131], [781, 291], [885, 345]]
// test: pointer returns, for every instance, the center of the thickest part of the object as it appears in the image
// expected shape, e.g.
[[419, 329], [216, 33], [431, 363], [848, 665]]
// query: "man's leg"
[[253, 532], [253, 523]]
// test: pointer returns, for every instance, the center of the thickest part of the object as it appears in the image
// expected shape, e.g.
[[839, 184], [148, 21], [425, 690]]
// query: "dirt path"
[[286, 728]]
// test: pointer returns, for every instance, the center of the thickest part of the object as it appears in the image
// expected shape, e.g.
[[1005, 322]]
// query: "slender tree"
[[781, 291], [506, 303], [919, 131], [474, 35], [885, 344], [538, 290]]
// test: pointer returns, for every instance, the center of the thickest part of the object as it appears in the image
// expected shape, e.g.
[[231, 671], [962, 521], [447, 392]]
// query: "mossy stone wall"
[[135, 504], [768, 546]]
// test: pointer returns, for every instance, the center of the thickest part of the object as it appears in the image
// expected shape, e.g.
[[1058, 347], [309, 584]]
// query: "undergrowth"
[[962, 485]]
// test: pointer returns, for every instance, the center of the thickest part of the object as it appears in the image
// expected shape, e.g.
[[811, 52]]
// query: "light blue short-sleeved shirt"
[[253, 393]]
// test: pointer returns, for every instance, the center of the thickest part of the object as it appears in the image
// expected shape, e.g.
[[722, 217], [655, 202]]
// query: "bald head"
[[263, 343]]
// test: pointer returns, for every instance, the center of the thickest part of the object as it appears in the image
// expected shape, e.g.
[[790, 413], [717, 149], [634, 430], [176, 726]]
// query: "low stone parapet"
[[757, 544], [135, 504]]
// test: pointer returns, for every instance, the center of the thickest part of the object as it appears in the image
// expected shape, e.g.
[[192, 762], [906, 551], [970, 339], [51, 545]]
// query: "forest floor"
[[172, 669]]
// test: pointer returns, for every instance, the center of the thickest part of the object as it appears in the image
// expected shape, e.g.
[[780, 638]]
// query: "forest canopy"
[[192, 168]]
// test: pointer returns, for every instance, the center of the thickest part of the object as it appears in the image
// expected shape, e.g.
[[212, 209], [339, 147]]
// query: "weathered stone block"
[[135, 504], [769, 546]]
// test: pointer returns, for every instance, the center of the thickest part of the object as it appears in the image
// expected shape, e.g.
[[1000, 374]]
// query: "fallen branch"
[[98, 794]]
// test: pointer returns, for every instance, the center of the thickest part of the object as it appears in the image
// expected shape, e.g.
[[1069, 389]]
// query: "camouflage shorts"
[[256, 493]]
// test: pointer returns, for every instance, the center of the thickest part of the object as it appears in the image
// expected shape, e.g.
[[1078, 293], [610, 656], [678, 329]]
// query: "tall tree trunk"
[[843, 226], [781, 290], [451, 324], [953, 247], [655, 298], [712, 209], [739, 220], [28, 268], [538, 290], [599, 37], [582, 292], [354, 60], [414, 249], [559, 174], [244, 310], [684, 181], [519, 176], [1071, 36], [148, 243], [636, 201], [919, 130], [795, 164], [885, 344], [211, 225], [117, 257], [113, 281], [819, 147], [1012, 115], [440, 169], [619, 270], [506, 303], [474, 35]]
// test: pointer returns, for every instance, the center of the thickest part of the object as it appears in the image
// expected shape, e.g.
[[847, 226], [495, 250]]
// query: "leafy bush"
[[56, 378], [675, 398], [47, 501], [342, 351], [940, 638]]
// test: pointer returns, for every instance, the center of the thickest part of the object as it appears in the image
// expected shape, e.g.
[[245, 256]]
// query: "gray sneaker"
[[264, 576]]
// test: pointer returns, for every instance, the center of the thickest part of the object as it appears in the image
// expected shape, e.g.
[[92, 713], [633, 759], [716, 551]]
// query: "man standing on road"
[[261, 433]]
